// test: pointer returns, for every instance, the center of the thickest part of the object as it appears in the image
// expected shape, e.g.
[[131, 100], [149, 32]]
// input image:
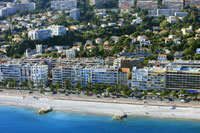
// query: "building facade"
[[191, 3], [149, 4], [57, 30], [173, 4], [84, 75], [183, 77], [40, 34], [126, 4], [34, 72], [12, 8], [63, 4], [75, 14], [99, 2], [148, 78]]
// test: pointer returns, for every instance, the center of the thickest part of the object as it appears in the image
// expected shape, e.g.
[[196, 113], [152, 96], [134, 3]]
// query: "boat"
[[120, 116], [44, 110]]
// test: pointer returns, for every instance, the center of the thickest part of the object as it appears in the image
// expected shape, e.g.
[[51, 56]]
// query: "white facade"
[[39, 49], [36, 73], [12, 8], [41, 34], [148, 78], [99, 2], [71, 53], [57, 30]]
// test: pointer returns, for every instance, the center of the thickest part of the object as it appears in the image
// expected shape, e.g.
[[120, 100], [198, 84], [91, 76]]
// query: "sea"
[[23, 120]]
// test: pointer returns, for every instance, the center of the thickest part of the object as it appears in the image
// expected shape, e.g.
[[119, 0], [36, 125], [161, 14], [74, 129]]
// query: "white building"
[[75, 14], [40, 34], [99, 2], [12, 8], [57, 30], [63, 4], [71, 53], [148, 78], [186, 30], [39, 49], [35, 72]]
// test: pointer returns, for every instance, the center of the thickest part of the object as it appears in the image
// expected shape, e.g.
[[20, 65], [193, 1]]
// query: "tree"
[[31, 84], [66, 83], [109, 90], [24, 83], [173, 94], [78, 85], [164, 24], [89, 86], [52, 87], [58, 86], [181, 91]]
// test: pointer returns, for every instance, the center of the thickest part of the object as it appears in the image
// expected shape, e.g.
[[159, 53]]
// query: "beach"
[[103, 106]]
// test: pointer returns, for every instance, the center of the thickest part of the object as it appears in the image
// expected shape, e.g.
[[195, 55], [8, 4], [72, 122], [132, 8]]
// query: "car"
[[1, 90], [66, 94], [98, 97], [117, 96], [113, 97], [154, 98], [139, 98], [170, 99], [54, 92], [184, 101], [30, 92]]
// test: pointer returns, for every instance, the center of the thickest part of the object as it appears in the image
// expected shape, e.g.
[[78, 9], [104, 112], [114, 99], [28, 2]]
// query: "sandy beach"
[[101, 107]]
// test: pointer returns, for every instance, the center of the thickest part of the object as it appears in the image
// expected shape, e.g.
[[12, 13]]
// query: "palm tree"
[[109, 90], [31, 84], [173, 94], [58, 86], [66, 83], [78, 86]]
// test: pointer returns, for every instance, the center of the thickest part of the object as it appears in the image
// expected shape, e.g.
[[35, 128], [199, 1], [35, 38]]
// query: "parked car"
[[98, 97], [54, 92], [170, 99]]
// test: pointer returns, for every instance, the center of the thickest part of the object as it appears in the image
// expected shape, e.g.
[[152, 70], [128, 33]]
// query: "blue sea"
[[21, 120]]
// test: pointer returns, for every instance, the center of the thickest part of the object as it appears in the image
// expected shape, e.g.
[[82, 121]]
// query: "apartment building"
[[6, 11], [75, 14], [147, 4], [99, 2], [183, 77], [148, 78], [63, 4], [39, 34], [57, 30], [62, 73], [192, 3], [165, 12], [71, 53], [100, 75], [12, 8], [126, 4], [173, 4], [34, 72]]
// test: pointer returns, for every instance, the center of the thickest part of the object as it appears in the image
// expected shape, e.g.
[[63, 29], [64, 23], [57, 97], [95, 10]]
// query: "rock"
[[44, 110], [119, 116]]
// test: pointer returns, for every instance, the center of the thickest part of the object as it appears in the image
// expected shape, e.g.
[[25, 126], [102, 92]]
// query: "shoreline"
[[102, 108]]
